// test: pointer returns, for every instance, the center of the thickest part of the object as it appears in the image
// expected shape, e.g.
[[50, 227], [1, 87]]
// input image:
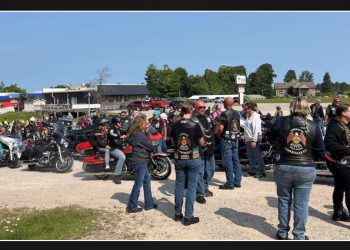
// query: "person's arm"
[[332, 141], [256, 130], [319, 145]]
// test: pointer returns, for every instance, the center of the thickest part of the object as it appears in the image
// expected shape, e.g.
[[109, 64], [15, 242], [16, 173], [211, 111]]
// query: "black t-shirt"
[[316, 111]]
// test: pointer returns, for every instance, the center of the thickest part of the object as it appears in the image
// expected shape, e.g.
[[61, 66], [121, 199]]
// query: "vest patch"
[[296, 142]]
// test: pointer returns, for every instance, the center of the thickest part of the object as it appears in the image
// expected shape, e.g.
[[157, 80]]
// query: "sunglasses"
[[200, 107]]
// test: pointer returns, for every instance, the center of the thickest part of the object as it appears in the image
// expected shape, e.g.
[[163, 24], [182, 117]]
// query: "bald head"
[[199, 103], [228, 102]]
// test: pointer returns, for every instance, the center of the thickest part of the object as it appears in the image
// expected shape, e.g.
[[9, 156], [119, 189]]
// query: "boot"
[[116, 179], [340, 214]]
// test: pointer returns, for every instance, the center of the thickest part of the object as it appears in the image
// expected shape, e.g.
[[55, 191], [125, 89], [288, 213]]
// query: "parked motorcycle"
[[11, 149], [50, 152], [159, 165]]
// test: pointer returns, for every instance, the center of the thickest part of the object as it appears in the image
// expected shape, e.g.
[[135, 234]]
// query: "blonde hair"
[[299, 107]]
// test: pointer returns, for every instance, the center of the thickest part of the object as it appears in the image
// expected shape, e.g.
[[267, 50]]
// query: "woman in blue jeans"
[[299, 142], [139, 158]]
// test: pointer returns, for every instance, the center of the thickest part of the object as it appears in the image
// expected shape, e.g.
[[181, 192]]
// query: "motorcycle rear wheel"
[[162, 169]]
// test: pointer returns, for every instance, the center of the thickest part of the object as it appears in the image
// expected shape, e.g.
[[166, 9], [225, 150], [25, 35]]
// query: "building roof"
[[123, 89], [295, 84], [9, 95]]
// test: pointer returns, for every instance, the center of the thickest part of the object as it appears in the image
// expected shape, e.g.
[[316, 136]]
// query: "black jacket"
[[335, 140], [142, 148], [114, 139], [299, 141]]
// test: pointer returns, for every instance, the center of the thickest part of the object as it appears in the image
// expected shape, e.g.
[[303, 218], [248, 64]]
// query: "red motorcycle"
[[159, 165]]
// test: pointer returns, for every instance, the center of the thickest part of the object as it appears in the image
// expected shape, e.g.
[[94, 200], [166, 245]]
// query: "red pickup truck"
[[158, 103]]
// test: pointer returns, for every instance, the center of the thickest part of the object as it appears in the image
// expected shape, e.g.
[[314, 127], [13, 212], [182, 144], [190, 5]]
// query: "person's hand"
[[108, 147], [253, 144], [123, 137]]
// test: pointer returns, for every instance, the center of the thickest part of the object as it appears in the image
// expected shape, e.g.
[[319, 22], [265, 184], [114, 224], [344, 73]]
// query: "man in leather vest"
[[207, 170], [187, 138], [228, 128], [299, 142], [330, 111], [318, 114]]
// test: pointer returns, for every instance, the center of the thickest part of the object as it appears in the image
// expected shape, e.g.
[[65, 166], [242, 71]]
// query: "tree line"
[[167, 82]]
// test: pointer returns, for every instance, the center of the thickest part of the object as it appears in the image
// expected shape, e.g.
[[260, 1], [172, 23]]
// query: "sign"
[[240, 79]]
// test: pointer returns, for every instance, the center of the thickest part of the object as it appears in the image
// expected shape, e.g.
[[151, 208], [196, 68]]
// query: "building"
[[297, 88], [11, 100], [72, 94], [121, 93]]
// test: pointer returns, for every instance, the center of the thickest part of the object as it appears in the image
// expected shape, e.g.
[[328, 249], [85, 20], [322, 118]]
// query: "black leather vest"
[[186, 145], [232, 126], [295, 144]]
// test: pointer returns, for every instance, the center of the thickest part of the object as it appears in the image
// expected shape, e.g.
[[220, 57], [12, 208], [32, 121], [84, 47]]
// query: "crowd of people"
[[300, 142], [193, 132]]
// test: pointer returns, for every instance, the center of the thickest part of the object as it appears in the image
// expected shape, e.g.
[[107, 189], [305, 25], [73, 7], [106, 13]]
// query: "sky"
[[44, 49]]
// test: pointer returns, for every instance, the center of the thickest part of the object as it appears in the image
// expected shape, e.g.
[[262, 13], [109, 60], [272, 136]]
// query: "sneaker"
[[225, 186], [137, 210], [249, 174], [201, 200], [107, 167], [208, 194], [189, 221], [116, 179], [154, 207], [306, 238], [178, 217]]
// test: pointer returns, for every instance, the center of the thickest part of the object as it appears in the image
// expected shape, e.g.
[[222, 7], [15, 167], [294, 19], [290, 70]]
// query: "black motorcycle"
[[49, 152]]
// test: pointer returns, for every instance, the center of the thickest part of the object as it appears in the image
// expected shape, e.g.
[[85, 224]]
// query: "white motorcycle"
[[11, 149]]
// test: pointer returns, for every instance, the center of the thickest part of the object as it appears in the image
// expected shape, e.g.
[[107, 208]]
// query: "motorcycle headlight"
[[65, 144]]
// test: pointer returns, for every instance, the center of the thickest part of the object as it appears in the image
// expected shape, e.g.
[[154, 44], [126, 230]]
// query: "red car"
[[138, 105]]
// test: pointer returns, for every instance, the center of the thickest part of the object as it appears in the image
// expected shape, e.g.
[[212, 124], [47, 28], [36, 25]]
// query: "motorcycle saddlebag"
[[94, 164]]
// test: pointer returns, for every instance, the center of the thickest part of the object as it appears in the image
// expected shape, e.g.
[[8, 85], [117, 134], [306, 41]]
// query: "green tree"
[[212, 79], [153, 80], [327, 85], [290, 76], [306, 76], [264, 80], [227, 78], [60, 86], [182, 76], [14, 88], [2, 85], [198, 85]]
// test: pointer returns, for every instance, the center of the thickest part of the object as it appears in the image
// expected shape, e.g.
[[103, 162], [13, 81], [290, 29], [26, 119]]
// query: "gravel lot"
[[247, 213]]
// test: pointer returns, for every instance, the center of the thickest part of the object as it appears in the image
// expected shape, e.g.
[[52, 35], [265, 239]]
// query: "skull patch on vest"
[[296, 142]]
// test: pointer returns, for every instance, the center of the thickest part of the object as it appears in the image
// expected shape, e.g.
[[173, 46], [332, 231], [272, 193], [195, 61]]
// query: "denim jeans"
[[142, 177], [255, 157], [209, 169], [200, 183], [161, 147], [107, 156], [183, 169], [293, 181], [120, 156], [319, 123], [231, 161]]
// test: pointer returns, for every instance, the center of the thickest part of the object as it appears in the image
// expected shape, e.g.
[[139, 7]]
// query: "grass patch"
[[11, 116], [53, 224]]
